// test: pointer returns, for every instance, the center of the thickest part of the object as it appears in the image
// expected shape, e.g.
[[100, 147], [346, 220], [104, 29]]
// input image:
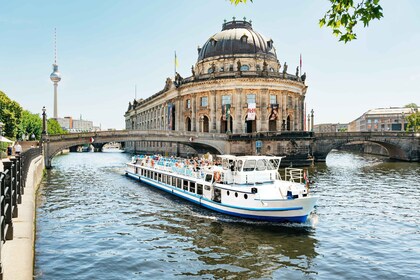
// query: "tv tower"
[[55, 75]]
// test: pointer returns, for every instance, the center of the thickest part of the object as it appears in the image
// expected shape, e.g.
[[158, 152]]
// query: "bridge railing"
[[366, 134], [12, 183], [124, 133], [271, 135]]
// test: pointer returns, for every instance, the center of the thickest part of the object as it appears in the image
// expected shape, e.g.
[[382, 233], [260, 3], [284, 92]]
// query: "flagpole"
[[175, 64]]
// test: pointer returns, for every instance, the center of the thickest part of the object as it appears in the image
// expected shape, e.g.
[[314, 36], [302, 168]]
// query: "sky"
[[106, 48]]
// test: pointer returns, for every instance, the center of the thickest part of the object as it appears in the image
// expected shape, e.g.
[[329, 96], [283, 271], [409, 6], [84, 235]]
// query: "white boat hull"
[[274, 210]]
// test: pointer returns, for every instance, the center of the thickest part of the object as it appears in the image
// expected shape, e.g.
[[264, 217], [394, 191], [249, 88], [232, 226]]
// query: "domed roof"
[[237, 37]]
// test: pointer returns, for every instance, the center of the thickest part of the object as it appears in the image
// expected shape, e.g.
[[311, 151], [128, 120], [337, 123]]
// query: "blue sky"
[[107, 47]]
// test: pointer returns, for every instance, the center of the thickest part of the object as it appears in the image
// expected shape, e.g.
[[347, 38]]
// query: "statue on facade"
[[168, 84], [178, 79], [297, 73], [265, 66], [213, 67], [239, 65], [303, 77], [129, 106], [284, 70], [192, 71]]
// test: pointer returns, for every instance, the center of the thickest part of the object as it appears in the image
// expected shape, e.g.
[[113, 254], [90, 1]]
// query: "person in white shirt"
[[18, 148]]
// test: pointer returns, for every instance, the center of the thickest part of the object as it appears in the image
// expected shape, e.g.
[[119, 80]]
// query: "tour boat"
[[242, 186]]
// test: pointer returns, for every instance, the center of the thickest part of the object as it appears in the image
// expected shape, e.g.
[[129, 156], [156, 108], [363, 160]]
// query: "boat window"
[[273, 164], [178, 182], [208, 178], [192, 187], [160, 177], [185, 185], [249, 165], [225, 163], [239, 165], [207, 188], [199, 189], [261, 164]]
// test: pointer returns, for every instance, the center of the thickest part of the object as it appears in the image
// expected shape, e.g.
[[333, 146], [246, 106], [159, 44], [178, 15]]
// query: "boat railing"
[[172, 167], [293, 174]]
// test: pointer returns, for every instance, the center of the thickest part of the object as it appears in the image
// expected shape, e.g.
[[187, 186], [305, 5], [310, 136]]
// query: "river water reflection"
[[95, 223]]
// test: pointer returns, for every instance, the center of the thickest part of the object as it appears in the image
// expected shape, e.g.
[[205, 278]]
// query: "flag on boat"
[[91, 139]]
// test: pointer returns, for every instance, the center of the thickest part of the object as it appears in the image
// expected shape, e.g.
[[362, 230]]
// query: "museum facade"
[[238, 85]]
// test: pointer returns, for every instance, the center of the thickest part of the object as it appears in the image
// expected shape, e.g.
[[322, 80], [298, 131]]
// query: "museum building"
[[238, 85]]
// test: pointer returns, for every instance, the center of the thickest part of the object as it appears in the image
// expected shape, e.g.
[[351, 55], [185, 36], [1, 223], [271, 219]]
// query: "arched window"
[[244, 39], [244, 68]]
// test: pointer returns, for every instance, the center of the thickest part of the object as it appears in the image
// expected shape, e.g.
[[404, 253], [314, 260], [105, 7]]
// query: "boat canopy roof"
[[232, 157]]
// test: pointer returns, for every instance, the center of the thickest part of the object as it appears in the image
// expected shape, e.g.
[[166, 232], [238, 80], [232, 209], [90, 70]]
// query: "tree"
[[344, 15], [31, 124], [413, 122], [10, 115], [411, 105], [54, 128], [9, 123]]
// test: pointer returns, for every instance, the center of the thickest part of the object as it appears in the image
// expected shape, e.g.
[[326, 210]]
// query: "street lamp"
[[44, 121]]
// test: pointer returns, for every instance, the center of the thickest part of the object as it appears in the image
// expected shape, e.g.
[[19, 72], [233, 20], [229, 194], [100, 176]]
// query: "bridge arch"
[[214, 143], [402, 146]]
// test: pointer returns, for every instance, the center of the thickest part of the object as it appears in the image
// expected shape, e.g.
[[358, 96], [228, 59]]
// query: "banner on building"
[[225, 112], [274, 112], [251, 112], [170, 119]]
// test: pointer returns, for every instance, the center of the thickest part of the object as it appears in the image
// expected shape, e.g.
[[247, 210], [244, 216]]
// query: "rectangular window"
[[188, 103], [226, 99], [192, 187], [251, 98], [199, 189], [204, 101], [273, 99]]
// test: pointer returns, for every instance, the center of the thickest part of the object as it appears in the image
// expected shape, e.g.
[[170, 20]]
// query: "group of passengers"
[[194, 163]]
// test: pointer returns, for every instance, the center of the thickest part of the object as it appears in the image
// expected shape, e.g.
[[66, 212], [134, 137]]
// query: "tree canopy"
[[31, 125], [344, 15], [54, 128], [10, 115]]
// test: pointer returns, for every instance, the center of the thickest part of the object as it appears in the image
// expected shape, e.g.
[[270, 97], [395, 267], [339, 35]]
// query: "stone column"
[[312, 120], [239, 121], [193, 113], [213, 108], [178, 123], [264, 101]]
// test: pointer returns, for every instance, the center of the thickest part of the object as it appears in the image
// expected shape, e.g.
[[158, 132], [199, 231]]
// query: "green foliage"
[[345, 14], [54, 128], [413, 122], [9, 124], [10, 115], [236, 2], [31, 124], [411, 105]]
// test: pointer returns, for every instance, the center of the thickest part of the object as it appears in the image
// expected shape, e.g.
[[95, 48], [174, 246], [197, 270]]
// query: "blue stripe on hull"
[[296, 219]]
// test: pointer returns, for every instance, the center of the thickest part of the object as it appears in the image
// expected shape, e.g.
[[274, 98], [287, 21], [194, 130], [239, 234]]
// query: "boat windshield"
[[273, 164], [249, 165]]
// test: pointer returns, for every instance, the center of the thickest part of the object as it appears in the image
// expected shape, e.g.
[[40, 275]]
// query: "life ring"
[[217, 176]]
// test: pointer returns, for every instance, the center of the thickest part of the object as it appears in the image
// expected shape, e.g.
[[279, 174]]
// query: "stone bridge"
[[400, 145], [214, 143]]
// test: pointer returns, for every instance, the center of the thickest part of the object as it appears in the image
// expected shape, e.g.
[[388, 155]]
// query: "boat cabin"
[[247, 169]]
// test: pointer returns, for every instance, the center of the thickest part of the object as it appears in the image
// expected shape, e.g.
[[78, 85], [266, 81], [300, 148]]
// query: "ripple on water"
[[94, 223]]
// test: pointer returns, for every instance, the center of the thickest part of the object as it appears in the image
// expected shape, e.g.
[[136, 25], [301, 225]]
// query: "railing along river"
[[12, 184]]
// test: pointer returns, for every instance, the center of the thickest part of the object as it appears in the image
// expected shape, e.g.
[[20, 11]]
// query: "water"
[[95, 223]]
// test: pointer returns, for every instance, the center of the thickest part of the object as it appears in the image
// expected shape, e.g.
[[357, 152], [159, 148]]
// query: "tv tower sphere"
[[55, 75]]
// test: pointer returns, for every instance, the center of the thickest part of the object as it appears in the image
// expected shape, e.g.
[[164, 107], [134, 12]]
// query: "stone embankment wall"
[[17, 255]]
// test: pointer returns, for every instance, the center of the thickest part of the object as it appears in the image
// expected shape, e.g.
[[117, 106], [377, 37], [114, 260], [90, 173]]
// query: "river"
[[95, 223]]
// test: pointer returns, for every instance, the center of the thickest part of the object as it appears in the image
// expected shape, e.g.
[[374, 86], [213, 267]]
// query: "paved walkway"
[[18, 254]]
